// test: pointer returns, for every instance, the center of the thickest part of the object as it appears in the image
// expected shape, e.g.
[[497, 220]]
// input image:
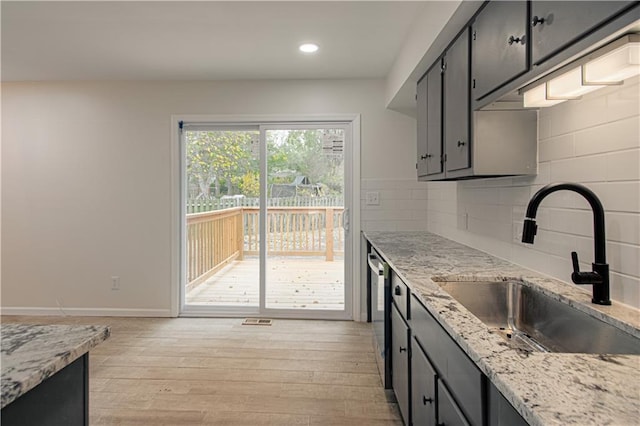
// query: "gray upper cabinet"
[[557, 24], [430, 122], [422, 94], [463, 133], [456, 104], [499, 46], [482, 143]]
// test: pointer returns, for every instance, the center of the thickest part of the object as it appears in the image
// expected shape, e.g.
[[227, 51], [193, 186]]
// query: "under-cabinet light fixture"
[[537, 97], [609, 65]]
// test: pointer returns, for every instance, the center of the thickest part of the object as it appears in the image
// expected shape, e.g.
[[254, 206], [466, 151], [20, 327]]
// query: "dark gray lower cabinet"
[[448, 412], [501, 413], [62, 399], [400, 362], [434, 381], [423, 387], [463, 379]]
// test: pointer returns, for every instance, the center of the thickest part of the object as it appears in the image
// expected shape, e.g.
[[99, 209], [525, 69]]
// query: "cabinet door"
[[498, 48], [400, 362], [448, 412], [422, 94], [464, 380], [456, 104], [400, 294], [430, 122], [500, 412], [557, 24], [434, 120], [423, 387]]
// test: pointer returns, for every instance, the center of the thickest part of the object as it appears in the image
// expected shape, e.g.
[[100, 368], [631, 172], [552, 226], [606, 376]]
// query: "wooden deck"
[[292, 283]]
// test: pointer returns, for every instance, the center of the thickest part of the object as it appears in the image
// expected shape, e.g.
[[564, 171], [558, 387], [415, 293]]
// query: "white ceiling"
[[202, 40]]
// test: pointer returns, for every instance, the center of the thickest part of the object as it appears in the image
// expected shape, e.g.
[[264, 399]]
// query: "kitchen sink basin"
[[532, 321]]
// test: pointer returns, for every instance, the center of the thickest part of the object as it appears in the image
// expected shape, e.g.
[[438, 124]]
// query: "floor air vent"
[[257, 321]]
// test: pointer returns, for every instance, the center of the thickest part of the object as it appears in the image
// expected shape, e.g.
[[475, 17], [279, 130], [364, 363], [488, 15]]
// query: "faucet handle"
[[583, 277], [574, 259]]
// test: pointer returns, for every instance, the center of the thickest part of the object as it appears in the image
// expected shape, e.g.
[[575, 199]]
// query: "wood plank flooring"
[[292, 283], [212, 371]]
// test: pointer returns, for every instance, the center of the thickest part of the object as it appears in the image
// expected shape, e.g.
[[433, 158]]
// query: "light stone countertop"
[[32, 353], [545, 388]]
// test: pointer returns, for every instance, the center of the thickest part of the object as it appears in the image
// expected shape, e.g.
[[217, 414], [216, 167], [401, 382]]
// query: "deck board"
[[292, 283]]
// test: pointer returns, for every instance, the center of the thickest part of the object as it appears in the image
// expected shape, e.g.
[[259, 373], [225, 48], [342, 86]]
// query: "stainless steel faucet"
[[599, 276]]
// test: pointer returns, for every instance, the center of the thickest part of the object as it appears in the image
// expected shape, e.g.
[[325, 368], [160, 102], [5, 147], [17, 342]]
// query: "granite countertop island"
[[33, 353], [545, 388]]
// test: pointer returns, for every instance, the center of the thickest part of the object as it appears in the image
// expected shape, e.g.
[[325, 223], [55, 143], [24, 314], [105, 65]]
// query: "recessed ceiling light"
[[308, 48]]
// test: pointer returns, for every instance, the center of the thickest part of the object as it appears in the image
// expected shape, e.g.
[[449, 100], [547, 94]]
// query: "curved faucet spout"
[[600, 275]]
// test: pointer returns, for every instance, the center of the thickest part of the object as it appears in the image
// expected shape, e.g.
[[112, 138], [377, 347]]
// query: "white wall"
[[424, 32], [86, 179], [594, 141]]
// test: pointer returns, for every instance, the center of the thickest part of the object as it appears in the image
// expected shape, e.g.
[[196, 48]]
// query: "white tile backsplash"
[[594, 141], [581, 169], [623, 227], [625, 289], [556, 148], [609, 137], [623, 165], [403, 205], [618, 196], [572, 116]]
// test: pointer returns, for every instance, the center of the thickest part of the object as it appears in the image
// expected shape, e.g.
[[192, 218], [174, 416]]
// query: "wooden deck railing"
[[296, 231], [215, 238]]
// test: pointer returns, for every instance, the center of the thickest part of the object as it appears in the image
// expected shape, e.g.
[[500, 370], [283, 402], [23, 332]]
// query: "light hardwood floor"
[[209, 371]]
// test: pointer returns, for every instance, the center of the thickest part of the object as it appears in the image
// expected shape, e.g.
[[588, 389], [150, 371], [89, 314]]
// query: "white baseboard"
[[86, 312]]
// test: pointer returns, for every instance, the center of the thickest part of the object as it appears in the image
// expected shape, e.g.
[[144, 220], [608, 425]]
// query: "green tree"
[[249, 184], [217, 158], [300, 153]]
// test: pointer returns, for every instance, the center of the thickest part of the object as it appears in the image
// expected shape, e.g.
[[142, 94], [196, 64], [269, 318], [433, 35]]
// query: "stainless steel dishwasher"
[[379, 298]]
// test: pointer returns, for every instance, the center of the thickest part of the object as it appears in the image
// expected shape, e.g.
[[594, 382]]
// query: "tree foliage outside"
[[217, 161], [227, 162]]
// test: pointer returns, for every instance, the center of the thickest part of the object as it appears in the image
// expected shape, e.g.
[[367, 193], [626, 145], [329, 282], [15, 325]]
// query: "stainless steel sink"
[[533, 321]]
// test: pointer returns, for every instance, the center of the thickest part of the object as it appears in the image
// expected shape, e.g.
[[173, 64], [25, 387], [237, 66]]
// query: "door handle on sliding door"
[[345, 220]]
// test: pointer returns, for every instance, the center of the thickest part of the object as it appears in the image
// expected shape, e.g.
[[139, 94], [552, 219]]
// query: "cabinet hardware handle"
[[460, 143], [424, 157], [425, 400], [537, 20], [513, 39], [398, 291], [403, 349]]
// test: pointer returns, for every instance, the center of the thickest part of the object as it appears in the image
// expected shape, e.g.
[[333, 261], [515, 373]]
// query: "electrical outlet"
[[115, 283], [373, 198]]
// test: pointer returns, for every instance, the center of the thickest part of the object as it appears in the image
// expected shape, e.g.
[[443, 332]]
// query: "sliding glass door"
[[222, 188], [304, 218], [265, 220]]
